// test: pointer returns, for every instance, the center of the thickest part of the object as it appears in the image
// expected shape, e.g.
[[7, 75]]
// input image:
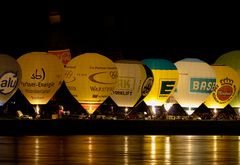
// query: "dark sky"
[[136, 35]]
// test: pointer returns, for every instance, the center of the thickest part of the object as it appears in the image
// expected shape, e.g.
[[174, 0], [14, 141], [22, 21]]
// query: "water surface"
[[120, 149]]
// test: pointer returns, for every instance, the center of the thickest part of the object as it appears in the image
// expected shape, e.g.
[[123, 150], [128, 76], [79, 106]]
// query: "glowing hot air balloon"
[[42, 76], [227, 85], [134, 83], [10, 77], [90, 78], [231, 59], [165, 81], [197, 80]]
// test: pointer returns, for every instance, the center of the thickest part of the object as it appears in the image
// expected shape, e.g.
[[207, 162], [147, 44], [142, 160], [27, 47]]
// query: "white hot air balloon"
[[134, 83], [197, 80], [10, 77]]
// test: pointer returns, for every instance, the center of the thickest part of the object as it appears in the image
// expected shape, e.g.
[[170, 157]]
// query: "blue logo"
[[8, 82]]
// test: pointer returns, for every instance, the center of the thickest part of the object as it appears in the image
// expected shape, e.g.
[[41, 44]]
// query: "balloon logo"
[[10, 77], [90, 78], [197, 80], [63, 55], [227, 85], [134, 83], [165, 81], [42, 76], [231, 59]]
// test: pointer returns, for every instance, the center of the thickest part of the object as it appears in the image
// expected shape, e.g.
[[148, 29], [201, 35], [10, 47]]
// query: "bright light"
[[167, 106], [239, 111], [37, 109], [152, 103], [215, 110], [189, 111], [90, 150], [90, 107], [126, 110], [153, 147], [167, 150], [126, 147], [154, 110]]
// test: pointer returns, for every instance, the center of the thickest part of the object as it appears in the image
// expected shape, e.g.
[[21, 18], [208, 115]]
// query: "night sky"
[[140, 35]]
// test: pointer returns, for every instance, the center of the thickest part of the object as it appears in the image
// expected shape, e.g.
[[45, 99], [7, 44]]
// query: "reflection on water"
[[119, 149]]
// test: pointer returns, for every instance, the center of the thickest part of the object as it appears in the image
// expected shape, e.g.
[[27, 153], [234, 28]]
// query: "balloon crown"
[[226, 81]]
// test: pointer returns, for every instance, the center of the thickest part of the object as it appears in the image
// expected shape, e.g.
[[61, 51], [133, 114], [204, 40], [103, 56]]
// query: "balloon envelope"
[[10, 77], [196, 81], [42, 76], [231, 59], [166, 76], [90, 78], [134, 83], [227, 85]]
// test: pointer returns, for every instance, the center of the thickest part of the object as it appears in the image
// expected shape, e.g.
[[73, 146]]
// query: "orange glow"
[[90, 107]]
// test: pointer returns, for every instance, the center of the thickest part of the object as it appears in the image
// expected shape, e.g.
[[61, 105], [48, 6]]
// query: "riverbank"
[[119, 127]]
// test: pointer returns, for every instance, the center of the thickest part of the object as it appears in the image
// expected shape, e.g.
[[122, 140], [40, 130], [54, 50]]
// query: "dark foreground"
[[119, 127]]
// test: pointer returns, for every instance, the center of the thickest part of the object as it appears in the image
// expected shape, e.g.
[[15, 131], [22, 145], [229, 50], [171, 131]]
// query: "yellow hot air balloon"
[[166, 76], [134, 82], [10, 77], [42, 76], [231, 59], [227, 85], [197, 80], [90, 78]]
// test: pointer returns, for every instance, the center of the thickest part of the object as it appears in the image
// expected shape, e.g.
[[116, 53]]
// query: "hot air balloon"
[[231, 59], [42, 76], [91, 78], [10, 77], [227, 85], [197, 80], [165, 81], [134, 83]]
